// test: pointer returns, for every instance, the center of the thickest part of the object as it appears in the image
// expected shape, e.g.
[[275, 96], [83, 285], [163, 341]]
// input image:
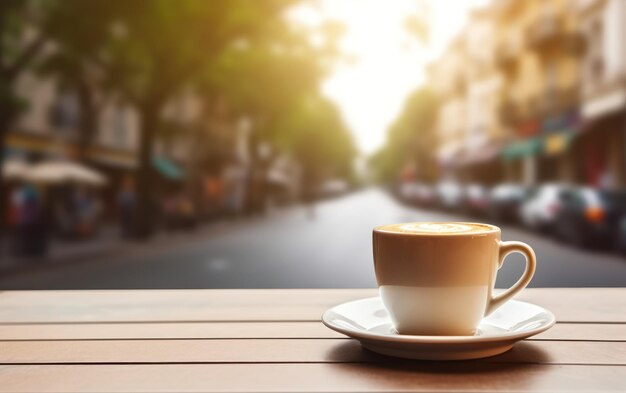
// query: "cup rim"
[[492, 229]]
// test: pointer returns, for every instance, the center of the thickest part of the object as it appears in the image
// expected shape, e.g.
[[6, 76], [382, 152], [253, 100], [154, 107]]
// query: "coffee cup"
[[437, 278]]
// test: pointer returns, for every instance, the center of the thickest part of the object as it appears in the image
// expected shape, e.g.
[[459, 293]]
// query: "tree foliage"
[[321, 141], [159, 47], [244, 54], [19, 45], [410, 139], [274, 82]]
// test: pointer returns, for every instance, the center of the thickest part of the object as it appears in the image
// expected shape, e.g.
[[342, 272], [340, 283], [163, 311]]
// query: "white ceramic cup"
[[438, 278]]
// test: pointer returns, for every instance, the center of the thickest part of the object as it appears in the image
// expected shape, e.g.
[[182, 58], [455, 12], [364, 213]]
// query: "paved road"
[[289, 249]]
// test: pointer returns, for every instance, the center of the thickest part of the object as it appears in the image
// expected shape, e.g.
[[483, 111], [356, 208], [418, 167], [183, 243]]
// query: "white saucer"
[[367, 320]]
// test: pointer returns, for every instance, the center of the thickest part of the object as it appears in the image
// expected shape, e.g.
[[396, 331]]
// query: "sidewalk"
[[60, 251], [109, 243]]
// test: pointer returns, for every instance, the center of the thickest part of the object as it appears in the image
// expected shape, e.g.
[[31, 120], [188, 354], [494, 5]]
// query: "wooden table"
[[272, 340]]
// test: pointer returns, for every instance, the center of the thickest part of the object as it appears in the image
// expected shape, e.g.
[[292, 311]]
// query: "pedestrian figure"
[[235, 189], [33, 227], [126, 200]]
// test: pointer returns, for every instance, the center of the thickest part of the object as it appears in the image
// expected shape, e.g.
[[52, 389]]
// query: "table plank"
[[234, 330], [597, 305], [271, 340], [200, 330], [278, 351], [458, 377], [171, 305], [580, 304], [584, 331]]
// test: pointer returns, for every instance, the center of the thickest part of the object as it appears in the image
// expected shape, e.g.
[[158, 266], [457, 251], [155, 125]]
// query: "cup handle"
[[507, 248]]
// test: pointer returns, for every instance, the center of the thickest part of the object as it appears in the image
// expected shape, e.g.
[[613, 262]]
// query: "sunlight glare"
[[389, 62]]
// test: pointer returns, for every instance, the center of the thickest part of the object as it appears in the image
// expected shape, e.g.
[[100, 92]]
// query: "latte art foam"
[[438, 228], [443, 227]]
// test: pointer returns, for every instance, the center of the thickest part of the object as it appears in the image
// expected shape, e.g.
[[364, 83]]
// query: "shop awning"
[[604, 104], [529, 147], [557, 143], [167, 168], [551, 144]]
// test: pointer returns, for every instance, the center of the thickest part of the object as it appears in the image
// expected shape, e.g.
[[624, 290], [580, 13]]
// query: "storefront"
[[558, 160], [600, 152], [119, 166], [520, 160], [602, 142], [448, 160], [545, 155], [35, 146], [482, 164]]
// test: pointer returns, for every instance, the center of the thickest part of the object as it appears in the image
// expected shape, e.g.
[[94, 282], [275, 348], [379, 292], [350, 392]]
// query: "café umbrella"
[[57, 172], [13, 169]]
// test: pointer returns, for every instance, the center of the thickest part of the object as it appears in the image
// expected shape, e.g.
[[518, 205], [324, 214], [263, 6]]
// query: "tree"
[[410, 139], [160, 46], [268, 80], [20, 43], [79, 31], [265, 78], [322, 142]]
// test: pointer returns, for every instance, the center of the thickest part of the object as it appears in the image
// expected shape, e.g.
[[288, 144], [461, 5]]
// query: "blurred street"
[[296, 247]]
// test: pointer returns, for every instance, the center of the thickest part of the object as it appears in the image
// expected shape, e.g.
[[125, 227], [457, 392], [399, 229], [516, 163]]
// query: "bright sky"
[[389, 62]]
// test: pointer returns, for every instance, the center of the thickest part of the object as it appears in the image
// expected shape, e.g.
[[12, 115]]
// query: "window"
[[551, 85], [597, 62], [120, 127], [65, 112]]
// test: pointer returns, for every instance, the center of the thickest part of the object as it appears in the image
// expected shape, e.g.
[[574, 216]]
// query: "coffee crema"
[[437, 228]]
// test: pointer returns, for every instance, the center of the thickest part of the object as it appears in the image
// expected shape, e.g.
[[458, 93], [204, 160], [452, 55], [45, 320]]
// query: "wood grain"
[[584, 331], [218, 330], [272, 340], [278, 351], [171, 305], [200, 330], [599, 305], [433, 377]]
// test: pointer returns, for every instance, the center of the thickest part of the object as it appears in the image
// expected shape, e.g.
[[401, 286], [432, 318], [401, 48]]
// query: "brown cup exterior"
[[450, 277]]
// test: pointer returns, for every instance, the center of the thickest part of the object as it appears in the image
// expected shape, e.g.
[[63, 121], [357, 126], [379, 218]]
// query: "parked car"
[[505, 201], [620, 235], [450, 194], [585, 217], [419, 194], [424, 194], [539, 211], [407, 192], [615, 201], [475, 199]]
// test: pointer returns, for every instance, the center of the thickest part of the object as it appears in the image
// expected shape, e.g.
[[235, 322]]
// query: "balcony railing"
[[544, 30], [509, 113], [557, 102], [551, 31], [507, 55]]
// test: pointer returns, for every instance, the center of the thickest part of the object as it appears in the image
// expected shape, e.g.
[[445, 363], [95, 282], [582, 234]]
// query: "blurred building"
[[519, 66], [545, 83], [50, 125], [449, 82], [484, 134], [50, 128], [601, 146]]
